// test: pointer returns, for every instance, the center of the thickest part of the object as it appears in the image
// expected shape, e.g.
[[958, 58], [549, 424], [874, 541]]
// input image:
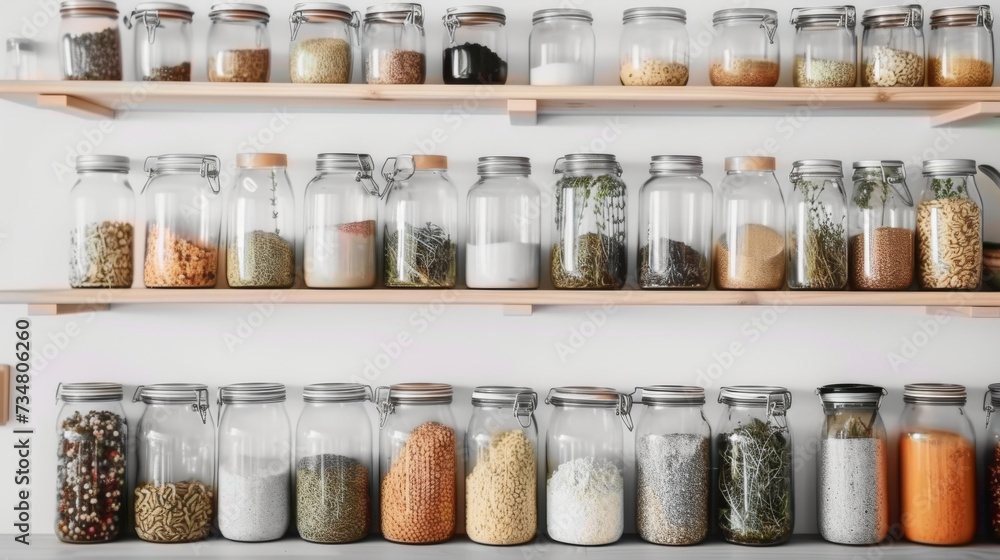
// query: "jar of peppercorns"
[[90, 45]]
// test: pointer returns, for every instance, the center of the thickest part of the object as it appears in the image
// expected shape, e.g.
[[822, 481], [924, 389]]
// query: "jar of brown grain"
[[960, 53], [881, 222]]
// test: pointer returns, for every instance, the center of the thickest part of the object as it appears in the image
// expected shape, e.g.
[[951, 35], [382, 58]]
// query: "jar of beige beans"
[[893, 46], [826, 48]]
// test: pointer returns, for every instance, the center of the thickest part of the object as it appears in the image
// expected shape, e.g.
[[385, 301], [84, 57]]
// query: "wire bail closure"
[[398, 173], [770, 26], [366, 177], [525, 404], [382, 405]]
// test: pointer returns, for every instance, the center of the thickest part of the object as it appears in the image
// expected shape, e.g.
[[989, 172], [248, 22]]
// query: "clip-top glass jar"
[[673, 465], [960, 53], [755, 486], [654, 47], [501, 465], [584, 450], [991, 402], [175, 485], [90, 45], [562, 46], [882, 221], [239, 43], [418, 462], [394, 44], [92, 439], [826, 49], [102, 215], [937, 465], [853, 465], [475, 45], [162, 41], [893, 46], [333, 462], [324, 36], [817, 226], [746, 50]]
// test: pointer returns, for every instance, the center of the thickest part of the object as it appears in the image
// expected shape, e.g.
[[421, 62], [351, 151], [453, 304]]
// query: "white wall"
[[622, 346]]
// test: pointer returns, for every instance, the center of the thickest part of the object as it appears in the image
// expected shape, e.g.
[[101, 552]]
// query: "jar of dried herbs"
[[817, 226], [991, 402], [162, 41], [591, 230], [881, 224], [102, 215], [754, 461], [239, 43], [324, 36], [90, 45]]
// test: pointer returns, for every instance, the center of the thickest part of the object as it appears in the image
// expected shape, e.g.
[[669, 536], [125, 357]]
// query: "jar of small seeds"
[[960, 50], [324, 36], [817, 226], [239, 43], [102, 216], [881, 226], [162, 41], [90, 45], [746, 49], [893, 46], [826, 49], [395, 49], [654, 47]]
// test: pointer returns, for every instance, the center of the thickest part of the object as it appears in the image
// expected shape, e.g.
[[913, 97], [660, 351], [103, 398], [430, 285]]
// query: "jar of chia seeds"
[[654, 47], [562, 46], [892, 46], [395, 49], [324, 36], [239, 43], [826, 49], [881, 224], [102, 217], [90, 45], [960, 47], [475, 45], [991, 402], [745, 50], [817, 226], [162, 41]]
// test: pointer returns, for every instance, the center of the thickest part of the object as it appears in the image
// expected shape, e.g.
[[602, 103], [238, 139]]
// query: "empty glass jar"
[[239, 43], [654, 47], [817, 226], [991, 402], [745, 50], [394, 44], [324, 36], [162, 41], [102, 216], [90, 45], [475, 45], [882, 220], [893, 46], [826, 49], [22, 59], [562, 48], [960, 53]]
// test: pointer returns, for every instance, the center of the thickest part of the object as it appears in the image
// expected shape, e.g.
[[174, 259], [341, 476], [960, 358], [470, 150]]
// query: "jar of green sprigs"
[[817, 226]]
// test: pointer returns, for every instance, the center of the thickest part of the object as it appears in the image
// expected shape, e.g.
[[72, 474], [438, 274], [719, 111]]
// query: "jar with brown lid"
[[90, 45]]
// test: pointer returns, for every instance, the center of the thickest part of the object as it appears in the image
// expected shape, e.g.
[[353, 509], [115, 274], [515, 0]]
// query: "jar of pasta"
[[960, 53]]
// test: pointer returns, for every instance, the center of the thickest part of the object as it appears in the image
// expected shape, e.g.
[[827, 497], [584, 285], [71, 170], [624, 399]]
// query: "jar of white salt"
[[562, 48]]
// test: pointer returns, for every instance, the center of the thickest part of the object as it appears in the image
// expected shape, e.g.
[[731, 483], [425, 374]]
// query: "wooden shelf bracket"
[[522, 112], [973, 312], [53, 309], [75, 106], [974, 112], [517, 310]]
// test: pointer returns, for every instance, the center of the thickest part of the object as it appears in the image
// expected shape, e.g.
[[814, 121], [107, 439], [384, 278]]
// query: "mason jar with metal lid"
[[324, 36], [755, 467], [176, 441], [881, 224], [937, 465], [991, 403], [654, 47], [960, 53], [92, 445], [826, 49], [673, 443], [501, 466], [562, 46], [418, 462], [239, 43], [102, 216], [395, 49], [893, 46], [90, 45], [817, 226], [746, 49], [162, 41], [333, 463], [475, 45], [584, 452]]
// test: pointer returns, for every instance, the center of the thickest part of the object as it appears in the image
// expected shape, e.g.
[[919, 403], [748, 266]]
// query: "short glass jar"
[[893, 46], [239, 43], [991, 402], [324, 36], [102, 216], [22, 59], [960, 53], [826, 48], [817, 226], [162, 41], [746, 49], [562, 46], [395, 49], [475, 46], [654, 47], [90, 45], [881, 222]]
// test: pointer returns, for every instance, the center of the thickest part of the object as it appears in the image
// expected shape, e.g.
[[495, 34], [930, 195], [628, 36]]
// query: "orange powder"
[[938, 487]]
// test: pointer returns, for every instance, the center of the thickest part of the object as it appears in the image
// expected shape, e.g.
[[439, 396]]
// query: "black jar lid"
[[851, 393]]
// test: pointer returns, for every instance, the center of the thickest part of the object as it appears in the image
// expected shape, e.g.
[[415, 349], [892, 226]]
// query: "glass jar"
[[260, 251], [591, 229], [22, 59], [418, 461], [255, 475], [324, 36], [562, 46], [882, 221], [960, 53], [239, 43], [817, 226], [746, 50], [394, 44], [853, 465], [102, 217], [826, 49], [654, 47], [162, 41], [673, 444], [475, 45], [175, 485], [749, 227], [754, 446], [893, 46], [675, 225], [90, 45], [183, 210], [991, 402], [503, 249], [501, 465], [421, 223], [333, 462], [584, 450], [937, 465]]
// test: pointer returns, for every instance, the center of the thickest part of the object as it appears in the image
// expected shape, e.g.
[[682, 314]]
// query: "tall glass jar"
[[421, 223], [991, 402], [960, 53], [817, 226], [394, 44], [501, 466], [950, 227], [333, 462], [893, 46], [90, 45], [746, 50], [675, 225], [853, 465], [260, 248], [92, 445], [937, 465], [102, 216], [755, 467], [881, 222], [826, 49], [673, 444], [654, 47], [584, 451], [418, 462], [175, 485], [255, 449], [162, 41], [341, 210], [591, 229], [183, 212], [324, 36], [475, 45], [503, 248], [749, 227], [239, 43], [562, 46]]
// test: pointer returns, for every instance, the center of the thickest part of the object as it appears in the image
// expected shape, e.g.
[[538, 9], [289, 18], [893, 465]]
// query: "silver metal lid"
[[561, 13], [20, 43], [112, 164], [336, 393], [824, 17], [344, 163], [504, 165], [744, 14], [673, 14], [88, 7], [89, 392], [949, 167], [410, 13], [851, 393], [865, 163], [756, 396], [991, 400], [522, 400], [993, 391], [818, 167], [165, 10], [179, 162], [170, 393], [911, 15], [963, 16], [593, 397], [681, 395], [676, 164], [421, 393], [934, 393], [252, 393], [474, 14], [237, 11], [584, 162], [322, 7]]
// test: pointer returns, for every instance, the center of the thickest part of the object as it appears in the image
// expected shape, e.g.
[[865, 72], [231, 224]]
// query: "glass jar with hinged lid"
[[239, 43], [817, 226], [394, 44], [826, 49], [991, 402], [654, 47], [475, 45], [746, 48], [90, 45], [892, 46], [881, 223], [102, 217], [562, 46], [324, 36], [162, 41], [960, 49]]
